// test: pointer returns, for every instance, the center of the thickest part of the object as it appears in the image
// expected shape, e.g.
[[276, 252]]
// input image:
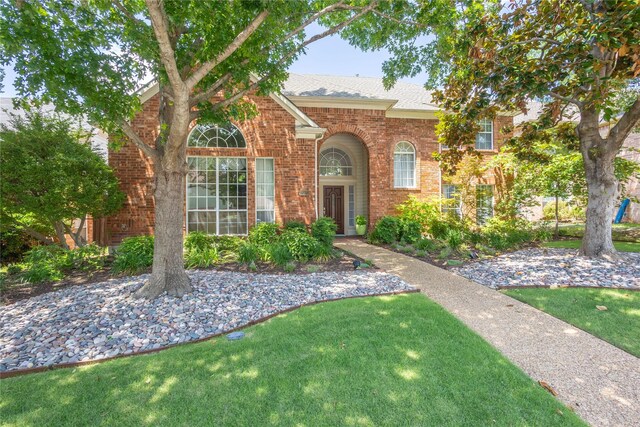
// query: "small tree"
[[50, 176]]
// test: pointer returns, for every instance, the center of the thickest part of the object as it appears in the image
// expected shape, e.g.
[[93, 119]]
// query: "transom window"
[[484, 138], [404, 166], [217, 195], [335, 162], [214, 136]]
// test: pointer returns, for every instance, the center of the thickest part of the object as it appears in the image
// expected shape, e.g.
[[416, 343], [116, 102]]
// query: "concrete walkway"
[[599, 381]]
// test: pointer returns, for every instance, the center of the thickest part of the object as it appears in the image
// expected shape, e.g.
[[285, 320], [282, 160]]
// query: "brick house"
[[326, 145]]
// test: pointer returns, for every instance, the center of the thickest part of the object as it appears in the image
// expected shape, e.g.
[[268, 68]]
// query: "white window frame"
[[258, 184], [346, 167], [217, 209], [401, 181], [486, 128], [219, 136]]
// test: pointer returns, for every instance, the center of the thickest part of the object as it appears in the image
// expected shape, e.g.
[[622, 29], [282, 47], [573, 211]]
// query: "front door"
[[334, 205]]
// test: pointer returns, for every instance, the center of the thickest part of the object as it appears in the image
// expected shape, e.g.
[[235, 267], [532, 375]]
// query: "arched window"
[[335, 162], [404, 166], [213, 136]]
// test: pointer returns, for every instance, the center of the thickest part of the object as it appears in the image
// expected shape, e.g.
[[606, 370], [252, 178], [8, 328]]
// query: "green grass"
[[627, 232], [618, 325], [398, 360], [575, 244]]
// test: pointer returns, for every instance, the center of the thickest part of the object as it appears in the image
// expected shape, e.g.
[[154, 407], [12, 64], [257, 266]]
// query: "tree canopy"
[[51, 176]]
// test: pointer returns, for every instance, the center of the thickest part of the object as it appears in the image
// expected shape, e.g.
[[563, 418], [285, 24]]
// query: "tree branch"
[[127, 13], [161, 29], [203, 70], [38, 236], [211, 90], [626, 123], [150, 152], [567, 99]]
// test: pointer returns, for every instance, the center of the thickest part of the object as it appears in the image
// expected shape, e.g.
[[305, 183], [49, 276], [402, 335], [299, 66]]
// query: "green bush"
[[503, 235], [295, 225], [324, 231], [228, 244], [45, 264], [200, 250], [248, 253], [387, 230], [324, 253], [425, 244], [421, 211], [410, 230], [302, 246], [263, 233], [134, 255], [566, 211], [454, 238], [278, 253], [87, 258]]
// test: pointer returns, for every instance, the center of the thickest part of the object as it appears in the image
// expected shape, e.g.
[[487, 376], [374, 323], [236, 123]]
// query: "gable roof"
[[403, 95]]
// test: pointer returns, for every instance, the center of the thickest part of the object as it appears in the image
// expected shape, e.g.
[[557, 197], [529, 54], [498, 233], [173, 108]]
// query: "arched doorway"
[[343, 181]]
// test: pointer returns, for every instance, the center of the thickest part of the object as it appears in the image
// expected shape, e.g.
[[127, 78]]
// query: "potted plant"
[[361, 225]]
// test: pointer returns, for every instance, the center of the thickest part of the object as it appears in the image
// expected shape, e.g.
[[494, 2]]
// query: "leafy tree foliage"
[[50, 176], [574, 55], [89, 57]]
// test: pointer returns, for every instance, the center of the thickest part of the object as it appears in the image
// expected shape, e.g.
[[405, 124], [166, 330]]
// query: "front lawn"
[[575, 244], [627, 232], [400, 360], [618, 325]]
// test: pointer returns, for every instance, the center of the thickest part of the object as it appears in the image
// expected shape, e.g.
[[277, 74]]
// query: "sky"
[[329, 56]]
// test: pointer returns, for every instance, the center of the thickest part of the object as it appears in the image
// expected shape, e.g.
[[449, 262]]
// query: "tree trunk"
[[168, 273], [602, 189], [556, 233], [59, 228]]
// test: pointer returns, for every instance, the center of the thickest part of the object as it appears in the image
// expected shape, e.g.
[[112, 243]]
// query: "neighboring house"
[[325, 146]]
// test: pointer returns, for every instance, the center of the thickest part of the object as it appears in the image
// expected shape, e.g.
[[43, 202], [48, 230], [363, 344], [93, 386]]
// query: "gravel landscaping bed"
[[103, 320], [553, 267]]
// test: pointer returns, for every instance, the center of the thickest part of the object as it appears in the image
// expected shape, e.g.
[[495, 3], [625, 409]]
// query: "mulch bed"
[[12, 292]]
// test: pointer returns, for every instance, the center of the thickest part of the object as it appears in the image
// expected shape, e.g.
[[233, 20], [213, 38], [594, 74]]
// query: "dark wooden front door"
[[334, 205]]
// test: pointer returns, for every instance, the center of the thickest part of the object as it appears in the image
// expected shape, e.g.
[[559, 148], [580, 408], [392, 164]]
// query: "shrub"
[[386, 230], [439, 228], [421, 253], [324, 253], [226, 243], [14, 269], [289, 267], [45, 263], [324, 231], [295, 225], [507, 234], [407, 249], [200, 250], [410, 230], [454, 238], [566, 211], [278, 253], [134, 255], [263, 233], [421, 211], [87, 258], [425, 244], [302, 246], [248, 253]]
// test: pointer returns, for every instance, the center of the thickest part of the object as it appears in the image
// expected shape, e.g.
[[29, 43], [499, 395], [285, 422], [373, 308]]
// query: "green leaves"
[[49, 173]]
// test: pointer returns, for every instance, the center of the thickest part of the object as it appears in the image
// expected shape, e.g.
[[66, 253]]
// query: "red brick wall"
[[272, 134]]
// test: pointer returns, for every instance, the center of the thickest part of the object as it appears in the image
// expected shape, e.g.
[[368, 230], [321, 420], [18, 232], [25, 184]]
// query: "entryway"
[[343, 190]]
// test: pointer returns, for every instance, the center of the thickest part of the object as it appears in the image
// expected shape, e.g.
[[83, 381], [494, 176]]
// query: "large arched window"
[[213, 136], [335, 162], [404, 166]]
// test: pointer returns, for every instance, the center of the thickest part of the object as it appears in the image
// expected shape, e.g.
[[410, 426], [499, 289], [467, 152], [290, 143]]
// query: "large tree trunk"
[[168, 274], [602, 189], [598, 155]]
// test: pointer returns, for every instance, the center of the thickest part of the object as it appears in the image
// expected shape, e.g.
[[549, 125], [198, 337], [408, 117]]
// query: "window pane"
[[265, 190], [484, 203], [404, 165]]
